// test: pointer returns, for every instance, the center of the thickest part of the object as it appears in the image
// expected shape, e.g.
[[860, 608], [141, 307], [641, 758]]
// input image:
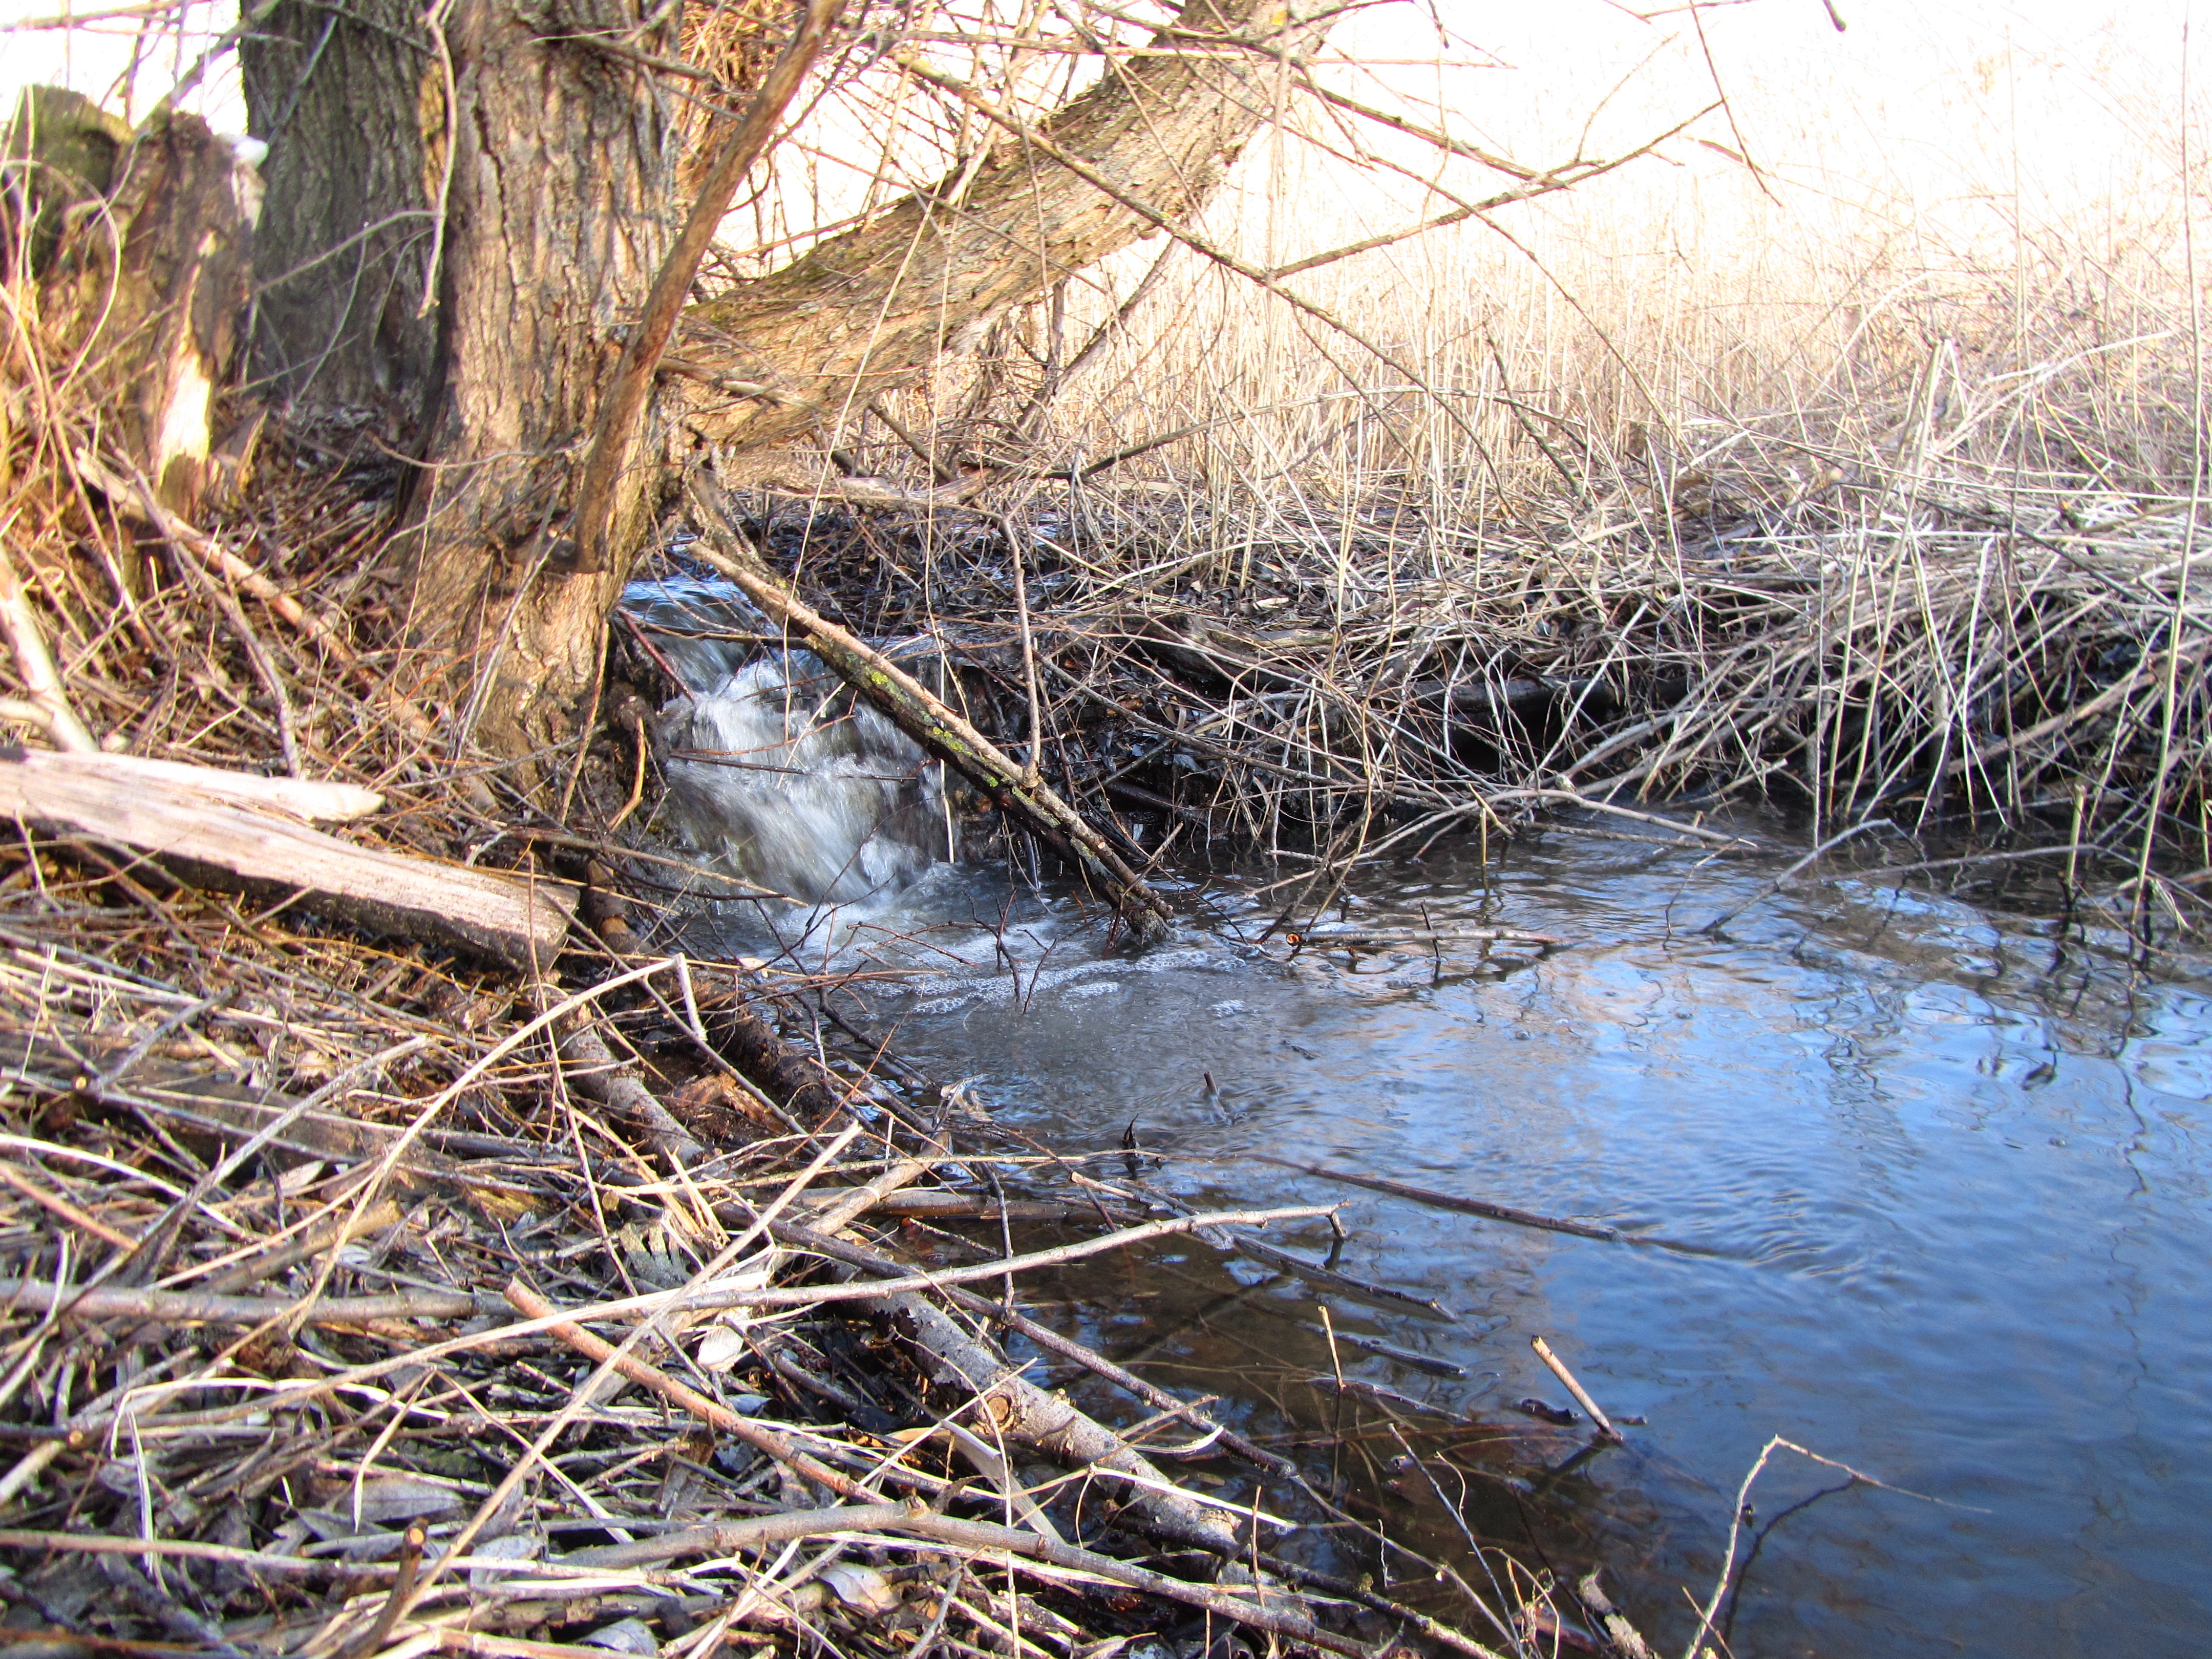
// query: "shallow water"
[[1939, 1160], [1947, 1164]]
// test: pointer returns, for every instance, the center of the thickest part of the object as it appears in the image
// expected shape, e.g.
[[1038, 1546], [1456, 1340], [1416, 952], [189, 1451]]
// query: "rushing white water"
[[773, 771]]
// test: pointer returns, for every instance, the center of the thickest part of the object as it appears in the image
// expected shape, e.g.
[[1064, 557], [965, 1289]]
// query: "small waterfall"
[[775, 770]]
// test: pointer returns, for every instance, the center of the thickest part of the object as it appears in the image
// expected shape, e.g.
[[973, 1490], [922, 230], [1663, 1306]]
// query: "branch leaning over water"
[[623, 406], [922, 716]]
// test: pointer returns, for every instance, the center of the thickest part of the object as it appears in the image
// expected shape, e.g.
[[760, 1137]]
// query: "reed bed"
[[1864, 477], [1903, 633]]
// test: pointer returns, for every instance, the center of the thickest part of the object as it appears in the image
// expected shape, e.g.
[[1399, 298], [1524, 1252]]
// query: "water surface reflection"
[[1949, 1162]]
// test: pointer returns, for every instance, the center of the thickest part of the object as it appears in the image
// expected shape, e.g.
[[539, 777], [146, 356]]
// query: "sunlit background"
[[1987, 196]]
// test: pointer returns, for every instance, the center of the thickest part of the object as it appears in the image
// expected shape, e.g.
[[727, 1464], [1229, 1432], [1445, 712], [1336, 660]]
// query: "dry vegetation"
[[1868, 480], [303, 1231]]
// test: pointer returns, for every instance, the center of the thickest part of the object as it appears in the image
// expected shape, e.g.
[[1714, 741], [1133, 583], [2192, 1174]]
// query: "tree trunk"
[[552, 167], [537, 173], [868, 312]]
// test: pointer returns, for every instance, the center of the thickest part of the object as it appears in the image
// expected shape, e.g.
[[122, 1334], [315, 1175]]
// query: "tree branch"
[[623, 409], [866, 311]]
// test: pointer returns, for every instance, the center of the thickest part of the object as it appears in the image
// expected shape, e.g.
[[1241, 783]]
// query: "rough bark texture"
[[339, 98], [554, 165], [560, 210], [867, 311], [154, 312]]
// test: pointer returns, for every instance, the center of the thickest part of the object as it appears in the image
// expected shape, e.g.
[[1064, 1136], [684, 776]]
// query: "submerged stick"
[[1550, 1224], [1712, 929], [1624, 1637], [1360, 1290], [924, 718]]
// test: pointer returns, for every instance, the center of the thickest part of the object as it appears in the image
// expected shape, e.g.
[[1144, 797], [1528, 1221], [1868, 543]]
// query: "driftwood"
[[230, 830], [1018, 791], [302, 798]]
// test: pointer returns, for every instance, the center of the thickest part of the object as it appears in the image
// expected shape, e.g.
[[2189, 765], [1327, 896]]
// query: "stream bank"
[[1935, 1153]]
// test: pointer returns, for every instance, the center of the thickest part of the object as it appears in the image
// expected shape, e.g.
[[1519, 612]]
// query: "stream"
[[1937, 1164]]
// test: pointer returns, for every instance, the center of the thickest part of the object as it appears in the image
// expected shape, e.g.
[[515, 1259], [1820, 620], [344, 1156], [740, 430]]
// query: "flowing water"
[[1941, 1164]]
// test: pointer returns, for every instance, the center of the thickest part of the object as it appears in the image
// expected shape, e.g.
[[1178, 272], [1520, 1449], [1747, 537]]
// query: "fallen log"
[[297, 797], [231, 830], [923, 717]]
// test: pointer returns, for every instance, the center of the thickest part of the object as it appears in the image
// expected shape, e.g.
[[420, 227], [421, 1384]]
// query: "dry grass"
[[306, 1239], [1795, 494], [1872, 477]]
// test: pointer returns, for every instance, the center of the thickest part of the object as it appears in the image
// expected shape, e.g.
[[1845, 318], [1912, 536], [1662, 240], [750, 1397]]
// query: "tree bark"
[[152, 311], [489, 201], [868, 311]]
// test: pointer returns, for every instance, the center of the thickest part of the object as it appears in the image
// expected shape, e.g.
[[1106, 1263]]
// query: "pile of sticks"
[[356, 1306], [1308, 670]]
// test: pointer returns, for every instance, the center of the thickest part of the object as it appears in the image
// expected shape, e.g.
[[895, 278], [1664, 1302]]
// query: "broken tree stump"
[[150, 292]]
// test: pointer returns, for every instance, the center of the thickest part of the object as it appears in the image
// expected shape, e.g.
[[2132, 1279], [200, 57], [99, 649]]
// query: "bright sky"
[[2057, 97], [95, 57]]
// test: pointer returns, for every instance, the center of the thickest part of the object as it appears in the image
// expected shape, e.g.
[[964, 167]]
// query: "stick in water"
[[1606, 1430]]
